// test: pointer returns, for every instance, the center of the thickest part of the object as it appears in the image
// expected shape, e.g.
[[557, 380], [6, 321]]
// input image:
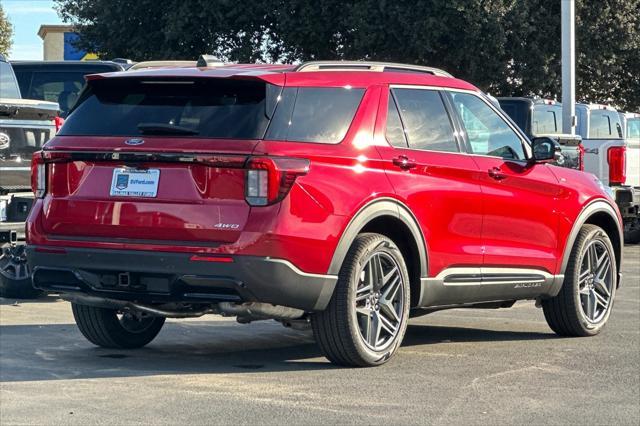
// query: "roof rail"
[[368, 66]]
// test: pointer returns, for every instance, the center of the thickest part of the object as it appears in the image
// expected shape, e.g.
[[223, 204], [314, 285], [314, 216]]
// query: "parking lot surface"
[[456, 366]]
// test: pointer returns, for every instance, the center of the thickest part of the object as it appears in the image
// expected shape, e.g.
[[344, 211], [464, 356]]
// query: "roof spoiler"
[[208, 61]]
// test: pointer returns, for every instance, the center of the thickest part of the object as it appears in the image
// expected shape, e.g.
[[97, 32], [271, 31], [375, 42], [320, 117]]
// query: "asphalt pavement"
[[455, 367]]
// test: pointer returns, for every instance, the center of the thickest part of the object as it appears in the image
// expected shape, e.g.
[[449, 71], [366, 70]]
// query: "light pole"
[[568, 67]]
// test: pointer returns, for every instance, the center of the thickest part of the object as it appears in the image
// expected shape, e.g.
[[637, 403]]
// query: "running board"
[[455, 286]]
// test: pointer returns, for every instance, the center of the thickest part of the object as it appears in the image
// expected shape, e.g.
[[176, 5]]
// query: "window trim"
[[444, 99], [392, 98]]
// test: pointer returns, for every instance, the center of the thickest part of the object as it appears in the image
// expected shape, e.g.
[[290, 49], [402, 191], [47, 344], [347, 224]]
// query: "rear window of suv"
[[213, 108]]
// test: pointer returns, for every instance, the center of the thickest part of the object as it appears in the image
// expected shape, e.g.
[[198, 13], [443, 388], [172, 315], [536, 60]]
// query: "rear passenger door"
[[431, 175]]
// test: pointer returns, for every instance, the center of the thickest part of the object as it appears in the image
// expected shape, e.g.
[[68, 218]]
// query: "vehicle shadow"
[[49, 298], [58, 352]]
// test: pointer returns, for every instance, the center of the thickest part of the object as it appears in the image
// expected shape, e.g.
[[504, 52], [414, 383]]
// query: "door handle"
[[496, 173], [404, 162]]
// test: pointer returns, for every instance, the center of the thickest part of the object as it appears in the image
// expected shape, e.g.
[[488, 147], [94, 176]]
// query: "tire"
[[15, 277], [104, 328], [358, 328], [574, 311]]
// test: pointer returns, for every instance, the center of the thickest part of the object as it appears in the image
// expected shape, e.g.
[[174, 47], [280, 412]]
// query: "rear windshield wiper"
[[165, 129]]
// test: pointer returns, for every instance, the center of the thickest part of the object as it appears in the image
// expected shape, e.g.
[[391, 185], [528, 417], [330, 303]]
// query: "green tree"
[[506, 47], [6, 31]]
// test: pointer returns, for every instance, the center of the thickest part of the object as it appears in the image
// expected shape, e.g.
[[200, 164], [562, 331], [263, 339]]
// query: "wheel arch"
[[390, 218], [602, 214]]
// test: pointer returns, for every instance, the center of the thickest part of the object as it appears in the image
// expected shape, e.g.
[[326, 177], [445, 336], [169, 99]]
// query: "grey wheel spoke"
[[603, 268], [391, 291], [601, 286], [387, 308], [601, 300], [584, 290], [364, 292], [374, 330], [583, 276], [593, 304], [378, 272], [387, 325]]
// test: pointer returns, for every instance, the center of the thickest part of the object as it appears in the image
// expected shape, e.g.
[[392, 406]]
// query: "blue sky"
[[26, 16]]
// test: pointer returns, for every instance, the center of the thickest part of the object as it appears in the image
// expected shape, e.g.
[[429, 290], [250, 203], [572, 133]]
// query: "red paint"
[[467, 217]]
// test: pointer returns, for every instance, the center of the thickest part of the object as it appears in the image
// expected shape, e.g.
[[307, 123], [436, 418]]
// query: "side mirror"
[[545, 149]]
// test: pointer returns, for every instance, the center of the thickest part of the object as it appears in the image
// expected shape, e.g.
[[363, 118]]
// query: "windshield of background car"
[[212, 108], [8, 84], [547, 120]]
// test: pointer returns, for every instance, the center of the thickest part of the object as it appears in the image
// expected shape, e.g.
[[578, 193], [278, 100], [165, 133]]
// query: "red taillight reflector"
[[218, 259], [617, 158], [269, 179], [50, 250], [58, 122]]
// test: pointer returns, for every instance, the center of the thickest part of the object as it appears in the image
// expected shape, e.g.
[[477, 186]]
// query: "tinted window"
[[394, 132], [547, 119], [604, 124], [312, 114], [8, 85], [518, 111], [209, 108], [426, 122], [60, 87], [487, 132]]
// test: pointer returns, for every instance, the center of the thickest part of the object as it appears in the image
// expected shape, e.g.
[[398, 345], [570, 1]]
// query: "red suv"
[[347, 196]]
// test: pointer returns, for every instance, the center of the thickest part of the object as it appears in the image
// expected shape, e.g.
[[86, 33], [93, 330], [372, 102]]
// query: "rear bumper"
[[628, 201], [153, 277]]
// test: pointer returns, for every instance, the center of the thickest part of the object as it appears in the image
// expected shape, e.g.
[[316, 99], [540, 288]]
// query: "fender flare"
[[372, 210], [589, 210]]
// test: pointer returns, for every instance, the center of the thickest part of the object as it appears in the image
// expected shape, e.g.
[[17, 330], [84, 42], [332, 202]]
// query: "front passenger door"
[[520, 223]]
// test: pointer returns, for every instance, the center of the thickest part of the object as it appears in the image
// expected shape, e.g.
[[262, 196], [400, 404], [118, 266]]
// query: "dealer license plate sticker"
[[135, 183]]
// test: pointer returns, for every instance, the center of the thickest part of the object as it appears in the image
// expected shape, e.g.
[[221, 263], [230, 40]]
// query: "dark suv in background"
[[543, 117], [58, 81]]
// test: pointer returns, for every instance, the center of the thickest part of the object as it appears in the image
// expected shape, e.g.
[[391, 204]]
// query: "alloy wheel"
[[595, 282], [379, 301]]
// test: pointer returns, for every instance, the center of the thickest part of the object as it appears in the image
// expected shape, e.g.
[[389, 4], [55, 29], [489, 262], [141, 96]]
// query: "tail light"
[[58, 121], [38, 175], [617, 158], [581, 157], [269, 179]]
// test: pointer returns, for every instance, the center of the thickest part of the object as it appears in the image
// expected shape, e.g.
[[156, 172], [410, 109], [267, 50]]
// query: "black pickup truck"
[[543, 117], [25, 125]]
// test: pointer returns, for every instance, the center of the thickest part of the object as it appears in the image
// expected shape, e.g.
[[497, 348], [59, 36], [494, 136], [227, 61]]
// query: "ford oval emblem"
[[134, 142]]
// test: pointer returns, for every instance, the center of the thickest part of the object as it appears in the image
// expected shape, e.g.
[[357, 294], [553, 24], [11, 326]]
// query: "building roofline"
[[54, 28]]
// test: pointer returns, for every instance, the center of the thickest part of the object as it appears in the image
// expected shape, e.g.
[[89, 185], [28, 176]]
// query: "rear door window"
[[547, 120], [604, 124], [426, 122], [314, 114]]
